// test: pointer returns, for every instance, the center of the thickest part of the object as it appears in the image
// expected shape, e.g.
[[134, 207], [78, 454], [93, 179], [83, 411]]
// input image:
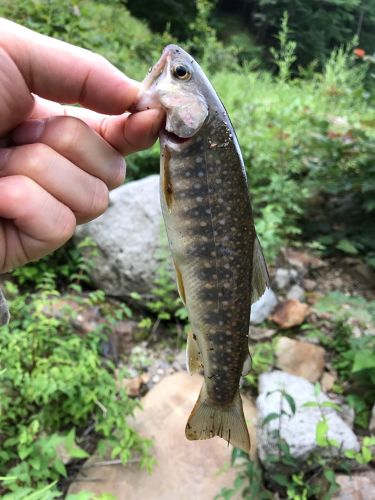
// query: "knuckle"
[[66, 131], [36, 156], [19, 188]]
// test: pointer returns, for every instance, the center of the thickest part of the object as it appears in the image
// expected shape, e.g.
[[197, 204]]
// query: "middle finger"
[[76, 141]]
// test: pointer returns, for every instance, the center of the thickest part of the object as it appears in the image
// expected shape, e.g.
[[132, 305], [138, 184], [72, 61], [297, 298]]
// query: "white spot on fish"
[[199, 199], [199, 159], [200, 174]]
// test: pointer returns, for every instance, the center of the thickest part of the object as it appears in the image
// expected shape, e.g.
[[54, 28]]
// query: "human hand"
[[57, 162]]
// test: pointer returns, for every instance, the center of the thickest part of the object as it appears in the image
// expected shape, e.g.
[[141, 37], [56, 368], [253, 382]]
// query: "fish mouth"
[[172, 137]]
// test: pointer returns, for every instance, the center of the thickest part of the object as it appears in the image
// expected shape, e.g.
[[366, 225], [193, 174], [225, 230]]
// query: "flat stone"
[[300, 358], [187, 470], [298, 430], [327, 381], [257, 333], [309, 284], [296, 293], [284, 277], [290, 313], [356, 486]]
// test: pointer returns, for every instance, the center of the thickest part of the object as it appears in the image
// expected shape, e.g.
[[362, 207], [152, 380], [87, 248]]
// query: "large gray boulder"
[[128, 237], [4, 312], [298, 430]]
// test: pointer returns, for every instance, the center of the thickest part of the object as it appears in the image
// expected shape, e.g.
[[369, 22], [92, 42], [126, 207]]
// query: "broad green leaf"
[[321, 433], [269, 418], [347, 247]]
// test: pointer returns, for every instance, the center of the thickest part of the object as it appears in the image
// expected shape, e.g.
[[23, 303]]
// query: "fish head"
[[174, 83]]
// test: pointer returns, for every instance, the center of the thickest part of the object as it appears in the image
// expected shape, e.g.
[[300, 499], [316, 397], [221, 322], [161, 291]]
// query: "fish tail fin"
[[228, 422]]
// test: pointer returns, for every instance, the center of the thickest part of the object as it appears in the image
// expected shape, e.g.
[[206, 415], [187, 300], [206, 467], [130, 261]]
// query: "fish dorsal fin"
[[194, 362], [260, 276]]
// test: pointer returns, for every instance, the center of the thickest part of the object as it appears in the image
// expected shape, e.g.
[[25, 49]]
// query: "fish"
[[219, 264]]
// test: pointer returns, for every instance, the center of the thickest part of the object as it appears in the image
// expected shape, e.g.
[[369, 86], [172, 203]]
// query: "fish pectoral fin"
[[194, 362], [166, 182], [180, 284], [227, 422], [260, 277]]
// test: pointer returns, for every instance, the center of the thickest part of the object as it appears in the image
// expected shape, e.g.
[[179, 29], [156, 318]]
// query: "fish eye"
[[181, 72]]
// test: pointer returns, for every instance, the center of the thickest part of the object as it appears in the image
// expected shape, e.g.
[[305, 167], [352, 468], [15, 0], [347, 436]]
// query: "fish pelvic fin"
[[228, 422], [194, 361]]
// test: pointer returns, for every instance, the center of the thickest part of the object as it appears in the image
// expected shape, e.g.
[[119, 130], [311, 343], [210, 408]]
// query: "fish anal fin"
[[180, 284], [228, 422], [193, 356], [260, 277]]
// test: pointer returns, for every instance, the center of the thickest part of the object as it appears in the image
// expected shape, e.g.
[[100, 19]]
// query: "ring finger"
[[84, 194]]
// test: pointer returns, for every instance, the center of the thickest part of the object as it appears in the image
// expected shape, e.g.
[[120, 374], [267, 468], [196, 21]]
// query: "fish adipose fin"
[[228, 422], [193, 356], [260, 276]]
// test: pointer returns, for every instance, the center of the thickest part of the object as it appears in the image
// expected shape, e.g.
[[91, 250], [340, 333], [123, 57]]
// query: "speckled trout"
[[219, 265]]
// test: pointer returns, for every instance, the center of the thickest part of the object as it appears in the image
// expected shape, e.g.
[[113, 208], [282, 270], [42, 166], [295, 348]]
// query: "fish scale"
[[207, 212]]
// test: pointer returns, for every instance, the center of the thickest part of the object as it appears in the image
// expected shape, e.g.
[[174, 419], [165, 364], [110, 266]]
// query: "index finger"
[[64, 73]]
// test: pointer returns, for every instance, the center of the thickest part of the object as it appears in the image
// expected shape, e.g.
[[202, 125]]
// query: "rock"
[[327, 381], [187, 470], [297, 430], [365, 273], [263, 307], [128, 236], [300, 358], [133, 385], [121, 337], [290, 313], [257, 333], [310, 285], [296, 293], [356, 486], [302, 260], [371, 427], [4, 312], [284, 277]]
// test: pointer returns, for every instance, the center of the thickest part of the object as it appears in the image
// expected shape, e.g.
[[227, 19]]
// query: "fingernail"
[[4, 155], [28, 132]]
